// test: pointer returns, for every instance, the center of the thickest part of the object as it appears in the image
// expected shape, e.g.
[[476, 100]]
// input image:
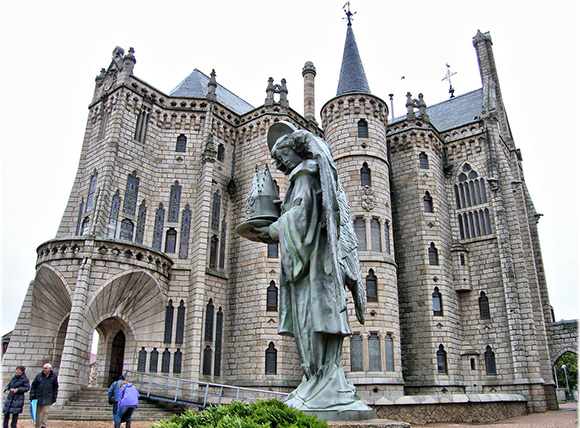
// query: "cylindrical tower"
[[309, 73]]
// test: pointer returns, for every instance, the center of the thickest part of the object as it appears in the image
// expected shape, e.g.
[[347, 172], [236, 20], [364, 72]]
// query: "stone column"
[[309, 73]]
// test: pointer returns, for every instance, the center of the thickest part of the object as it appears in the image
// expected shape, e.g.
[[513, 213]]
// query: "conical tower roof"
[[352, 73]]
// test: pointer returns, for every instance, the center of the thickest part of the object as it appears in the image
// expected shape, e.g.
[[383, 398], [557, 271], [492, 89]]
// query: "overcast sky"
[[52, 51]]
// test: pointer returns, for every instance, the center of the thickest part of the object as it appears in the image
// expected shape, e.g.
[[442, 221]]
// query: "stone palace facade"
[[147, 254]]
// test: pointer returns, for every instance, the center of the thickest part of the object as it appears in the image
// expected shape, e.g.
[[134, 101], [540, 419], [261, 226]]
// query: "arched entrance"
[[117, 357]]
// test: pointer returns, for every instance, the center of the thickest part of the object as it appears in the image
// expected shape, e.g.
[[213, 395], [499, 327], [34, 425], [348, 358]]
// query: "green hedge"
[[261, 414]]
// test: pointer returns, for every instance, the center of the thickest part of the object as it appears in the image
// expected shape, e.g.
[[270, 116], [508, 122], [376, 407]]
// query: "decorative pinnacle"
[[349, 14], [448, 78]]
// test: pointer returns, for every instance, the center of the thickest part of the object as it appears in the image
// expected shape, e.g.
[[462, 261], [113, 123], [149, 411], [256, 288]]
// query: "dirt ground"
[[566, 417]]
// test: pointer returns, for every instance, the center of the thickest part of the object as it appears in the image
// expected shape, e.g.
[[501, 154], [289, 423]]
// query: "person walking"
[[44, 389], [15, 391], [114, 394], [128, 402]]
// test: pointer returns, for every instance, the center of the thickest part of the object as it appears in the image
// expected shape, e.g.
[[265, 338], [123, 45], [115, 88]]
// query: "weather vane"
[[448, 78], [349, 14]]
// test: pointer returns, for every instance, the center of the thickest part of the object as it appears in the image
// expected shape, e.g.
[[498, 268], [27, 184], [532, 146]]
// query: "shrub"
[[261, 414]]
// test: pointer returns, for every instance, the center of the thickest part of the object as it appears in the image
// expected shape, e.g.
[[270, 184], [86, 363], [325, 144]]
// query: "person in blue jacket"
[[14, 391], [44, 388], [114, 394], [128, 402]]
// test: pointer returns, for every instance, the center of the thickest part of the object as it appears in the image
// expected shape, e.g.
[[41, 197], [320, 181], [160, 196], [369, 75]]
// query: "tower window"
[[168, 322], [389, 353], [376, 236], [428, 203], [219, 327], [213, 251], [126, 232], [356, 353], [165, 361], [221, 153], [85, 226], [437, 303], [131, 192], [153, 361], [490, 361], [177, 358], [433, 255], [441, 360], [141, 217], [215, 211], [141, 126], [361, 233], [272, 251], [209, 311], [363, 129], [387, 238], [371, 285], [170, 240], [365, 175], [374, 343], [142, 360], [184, 233], [174, 201], [158, 227], [423, 161], [272, 297], [114, 217], [271, 357], [92, 190], [180, 327], [484, 306], [206, 366], [181, 143]]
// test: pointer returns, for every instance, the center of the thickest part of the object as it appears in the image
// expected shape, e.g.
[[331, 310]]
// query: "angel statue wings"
[[318, 258]]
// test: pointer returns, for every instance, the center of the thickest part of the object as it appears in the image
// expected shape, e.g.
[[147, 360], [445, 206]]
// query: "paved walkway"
[[566, 417]]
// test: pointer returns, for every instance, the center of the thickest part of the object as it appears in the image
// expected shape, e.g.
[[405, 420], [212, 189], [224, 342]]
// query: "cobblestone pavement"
[[566, 417]]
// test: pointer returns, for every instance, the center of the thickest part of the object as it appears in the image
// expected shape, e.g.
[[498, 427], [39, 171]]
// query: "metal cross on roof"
[[349, 14], [448, 78]]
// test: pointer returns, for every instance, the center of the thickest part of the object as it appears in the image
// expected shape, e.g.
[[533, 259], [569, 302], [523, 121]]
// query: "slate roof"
[[195, 86], [455, 112], [352, 74]]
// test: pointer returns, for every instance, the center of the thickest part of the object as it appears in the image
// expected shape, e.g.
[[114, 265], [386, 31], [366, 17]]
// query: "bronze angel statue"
[[318, 258]]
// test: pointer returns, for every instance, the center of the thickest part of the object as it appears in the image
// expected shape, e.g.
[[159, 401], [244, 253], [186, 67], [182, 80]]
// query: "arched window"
[[272, 297], [85, 226], [165, 361], [470, 194], [131, 192], [114, 217], [374, 343], [177, 358], [92, 190], [271, 359], [126, 232], [484, 307], [174, 201], [371, 285], [221, 152], [180, 327], [206, 365], [389, 353], [387, 238], [209, 311], [423, 161], [141, 126], [376, 235], [428, 203], [142, 360], [490, 361], [141, 217], [215, 211], [170, 240], [437, 303], [169, 309], [356, 353], [153, 361], [181, 143], [433, 255], [158, 227], [222, 258], [365, 175], [361, 233], [441, 360], [80, 216], [213, 251], [184, 233], [363, 129], [219, 327]]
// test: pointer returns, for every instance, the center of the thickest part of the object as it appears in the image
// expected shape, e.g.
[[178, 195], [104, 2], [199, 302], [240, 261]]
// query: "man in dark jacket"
[[44, 389]]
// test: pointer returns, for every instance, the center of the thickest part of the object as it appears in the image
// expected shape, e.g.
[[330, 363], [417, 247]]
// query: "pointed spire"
[[352, 74]]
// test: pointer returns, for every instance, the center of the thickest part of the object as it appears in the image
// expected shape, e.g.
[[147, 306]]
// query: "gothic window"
[[165, 361], [169, 309], [271, 359], [272, 297], [215, 211], [141, 217], [184, 233], [472, 363], [209, 311], [376, 235], [153, 360], [181, 143], [174, 201], [437, 303], [361, 233], [484, 307], [114, 217], [365, 175], [272, 251], [220, 153], [103, 125], [180, 327], [441, 360], [131, 192], [387, 238], [219, 327], [371, 285], [158, 227], [222, 258], [92, 190], [374, 343], [126, 232], [470, 194], [423, 161], [427, 203], [490, 361], [177, 358], [80, 216], [170, 240], [141, 126], [142, 360], [356, 353], [85, 226], [206, 367], [389, 353], [213, 250], [363, 129], [433, 255]]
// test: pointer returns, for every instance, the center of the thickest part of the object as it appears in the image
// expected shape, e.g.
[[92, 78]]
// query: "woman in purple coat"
[[128, 402]]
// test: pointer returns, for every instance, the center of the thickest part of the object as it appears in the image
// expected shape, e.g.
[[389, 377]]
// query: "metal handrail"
[[195, 393]]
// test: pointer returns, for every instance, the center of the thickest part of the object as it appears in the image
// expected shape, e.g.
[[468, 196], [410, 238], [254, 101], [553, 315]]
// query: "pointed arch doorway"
[[117, 357]]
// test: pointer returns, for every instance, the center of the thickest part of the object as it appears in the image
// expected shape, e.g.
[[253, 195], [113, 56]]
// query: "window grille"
[[79, 218], [473, 217], [356, 353], [114, 217], [387, 238], [141, 218], [271, 357], [374, 344], [215, 212], [361, 233], [165, 361], [92, 191], [142, 124], [153, 360], [184, 233], [142, 360], [376, 236], [180, 327], [126, 231], [131, 192], [222, 257], [174, 201], [169, 309], [389, 353], [158, 227], [206, 367], [209, 312], [219, 326], [177, 359]]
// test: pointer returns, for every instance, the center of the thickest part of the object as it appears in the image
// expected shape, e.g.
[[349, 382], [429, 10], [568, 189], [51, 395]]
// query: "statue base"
[[343, 415]]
